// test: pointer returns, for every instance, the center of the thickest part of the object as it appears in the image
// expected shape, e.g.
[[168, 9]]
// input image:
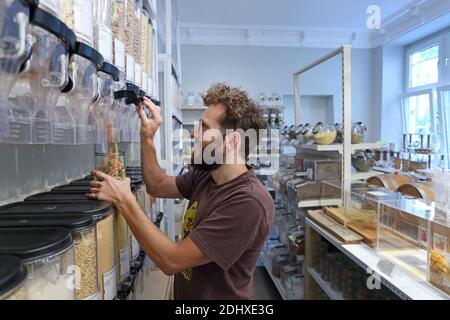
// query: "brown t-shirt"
[[229, 223]]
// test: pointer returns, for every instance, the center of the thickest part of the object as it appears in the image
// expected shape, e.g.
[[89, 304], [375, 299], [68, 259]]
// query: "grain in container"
[[48, 255], [85, 242]]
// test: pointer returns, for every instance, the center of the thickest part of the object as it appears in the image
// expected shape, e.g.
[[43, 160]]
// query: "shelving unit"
[[319, 203], [275, 280], [398, 281], [325, 286], [339, 147]]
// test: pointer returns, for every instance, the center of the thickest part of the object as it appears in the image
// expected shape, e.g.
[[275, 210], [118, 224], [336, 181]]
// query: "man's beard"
[[204, 166]]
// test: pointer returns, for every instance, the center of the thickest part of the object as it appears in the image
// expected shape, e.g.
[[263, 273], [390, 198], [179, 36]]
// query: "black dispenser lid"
[[73, 222], [12, 274], [53, 25], [89, 53], [30, 244], [111, 70], [97, 209]]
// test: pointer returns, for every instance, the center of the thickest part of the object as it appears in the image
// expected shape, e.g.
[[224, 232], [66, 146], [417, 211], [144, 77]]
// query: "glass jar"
[[137, 42], [78, 15], [129, 39], [103, 37], [13, 278], [48, 255], [14, 52], [363, 161], [307, 136], [83, 68], [358, 132], [111, 163], [118, 29], [36, 91], [339, 132], [324, 133]]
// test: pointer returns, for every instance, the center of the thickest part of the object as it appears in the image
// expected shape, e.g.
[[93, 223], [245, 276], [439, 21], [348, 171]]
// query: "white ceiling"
[[342, 14]]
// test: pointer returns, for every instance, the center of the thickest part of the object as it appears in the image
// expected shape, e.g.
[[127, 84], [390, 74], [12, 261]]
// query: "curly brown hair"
[[242, 112]]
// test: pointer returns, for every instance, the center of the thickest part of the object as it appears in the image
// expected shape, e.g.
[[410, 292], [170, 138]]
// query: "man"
[[230, 212]]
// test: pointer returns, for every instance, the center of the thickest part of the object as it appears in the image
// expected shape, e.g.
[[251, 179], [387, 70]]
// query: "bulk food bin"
[[143, 43], [103, 110], [103, 36], [83, 89], [111, 163], [137, 42], [118, 30], [51, 6], [129, 39], [36, 91], [48, 255], [13, 278], [78, 15], [14, 51], [102, 214], [85, 243]]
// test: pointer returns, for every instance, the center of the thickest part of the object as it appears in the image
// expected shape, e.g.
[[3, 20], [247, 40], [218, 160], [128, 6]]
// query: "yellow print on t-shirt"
[[188, 226]]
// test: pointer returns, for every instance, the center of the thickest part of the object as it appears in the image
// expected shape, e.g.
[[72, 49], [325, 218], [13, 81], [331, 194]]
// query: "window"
[[424, 67], [426, 106]]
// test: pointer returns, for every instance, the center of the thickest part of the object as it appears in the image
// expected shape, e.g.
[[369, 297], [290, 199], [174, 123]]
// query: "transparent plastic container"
[[36, 92], [78, 15], [51, 6], [102, 214], [14, 52], [103, 36], [111, 163], [137, 42], [144, 47], [48, 255], [83, 232], [118, 30], [108, 78], [129, 40], [84, 65], [13, 278]]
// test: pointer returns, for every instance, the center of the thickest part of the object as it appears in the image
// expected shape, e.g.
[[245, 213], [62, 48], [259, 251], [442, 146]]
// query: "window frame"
[[419, 46], [445, 147], [432, 111]]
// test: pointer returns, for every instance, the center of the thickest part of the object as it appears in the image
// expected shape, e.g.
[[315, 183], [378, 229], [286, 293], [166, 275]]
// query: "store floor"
[[263, 286]]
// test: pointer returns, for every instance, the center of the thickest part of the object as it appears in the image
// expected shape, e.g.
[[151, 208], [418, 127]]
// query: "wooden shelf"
[[325, 285]]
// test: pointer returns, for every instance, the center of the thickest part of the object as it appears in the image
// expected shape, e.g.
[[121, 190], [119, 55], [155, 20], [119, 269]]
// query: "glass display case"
[[410, 233]]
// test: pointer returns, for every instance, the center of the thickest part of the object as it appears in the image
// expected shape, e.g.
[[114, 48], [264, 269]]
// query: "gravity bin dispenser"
[[43, 76], [15, 49]]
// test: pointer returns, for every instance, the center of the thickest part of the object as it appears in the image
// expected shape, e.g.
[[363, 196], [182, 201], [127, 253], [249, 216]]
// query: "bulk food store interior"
[[355, 98]]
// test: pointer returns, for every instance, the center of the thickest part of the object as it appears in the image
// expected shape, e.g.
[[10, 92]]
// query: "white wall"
[[269, 70]]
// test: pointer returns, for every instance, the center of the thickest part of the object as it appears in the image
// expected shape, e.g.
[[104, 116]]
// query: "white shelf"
[[326, 287], [339, 147], [275, 280], [365, 175], [319, 203], [193, 108], [398, 280]]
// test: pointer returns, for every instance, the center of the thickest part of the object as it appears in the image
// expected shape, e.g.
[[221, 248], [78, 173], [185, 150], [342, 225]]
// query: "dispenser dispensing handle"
[[22, 21]]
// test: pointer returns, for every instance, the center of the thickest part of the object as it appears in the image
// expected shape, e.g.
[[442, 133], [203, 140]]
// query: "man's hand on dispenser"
[[106, 188], [151, 124]]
